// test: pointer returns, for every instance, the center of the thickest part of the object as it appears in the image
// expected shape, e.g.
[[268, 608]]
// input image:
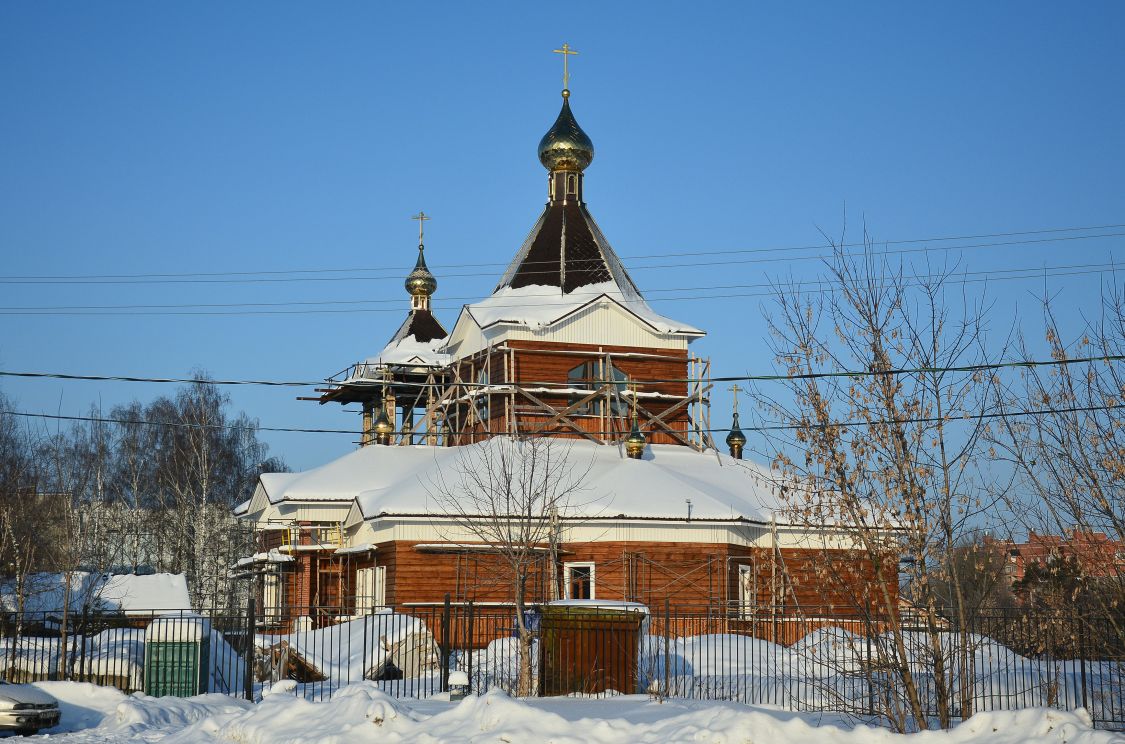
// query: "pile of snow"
[[359, 649], [131, 594], [363, 713]]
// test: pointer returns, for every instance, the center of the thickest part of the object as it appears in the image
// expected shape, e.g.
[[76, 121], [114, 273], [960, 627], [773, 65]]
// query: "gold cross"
[[736, 390], [421, 217], [566, 51]]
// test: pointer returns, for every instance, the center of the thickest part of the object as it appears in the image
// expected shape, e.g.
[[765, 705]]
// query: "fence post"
[[469, 646], [667, 641], [248, 673], [446, 634], [868, 674], [84, 630], [1082, 662]]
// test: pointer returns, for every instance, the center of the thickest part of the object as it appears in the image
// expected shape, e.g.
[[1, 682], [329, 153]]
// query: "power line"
[[915, 280], [764, 428], [819, 285], [983, 367], [284, 276], [177, 424]]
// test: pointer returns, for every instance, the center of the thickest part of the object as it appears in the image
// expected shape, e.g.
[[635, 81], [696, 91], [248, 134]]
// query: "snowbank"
[[362, 713]]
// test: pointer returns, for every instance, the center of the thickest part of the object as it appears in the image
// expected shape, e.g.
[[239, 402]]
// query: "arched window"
[[587, 376]]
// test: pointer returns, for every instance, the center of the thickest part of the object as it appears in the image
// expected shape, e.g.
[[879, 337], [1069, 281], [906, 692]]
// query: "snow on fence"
[[109, 650], [1011, 660]]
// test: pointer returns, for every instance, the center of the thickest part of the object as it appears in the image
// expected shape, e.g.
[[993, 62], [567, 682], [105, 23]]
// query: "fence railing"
[[820, 660]]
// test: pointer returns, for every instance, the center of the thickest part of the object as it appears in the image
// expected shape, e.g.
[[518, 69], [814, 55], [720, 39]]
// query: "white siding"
[[602, 323], [435, 530]]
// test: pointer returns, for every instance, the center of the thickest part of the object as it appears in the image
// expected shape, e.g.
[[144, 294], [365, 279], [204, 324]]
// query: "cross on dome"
[[566, 52], [421, 217]]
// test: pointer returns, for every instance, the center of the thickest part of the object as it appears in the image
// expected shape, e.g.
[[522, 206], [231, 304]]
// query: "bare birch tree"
[[511, 494], [878, 442]]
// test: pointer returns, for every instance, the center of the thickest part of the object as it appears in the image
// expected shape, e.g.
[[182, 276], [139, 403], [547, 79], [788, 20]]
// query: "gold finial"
[[635, 442], [566, 51], [736, 390], [421, 217]]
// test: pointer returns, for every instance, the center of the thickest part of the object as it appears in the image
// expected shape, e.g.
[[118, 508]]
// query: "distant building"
[[1097, 555]]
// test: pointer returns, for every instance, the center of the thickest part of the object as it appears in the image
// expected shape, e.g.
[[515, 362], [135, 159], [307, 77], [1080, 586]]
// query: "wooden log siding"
[[538, 364], [687, 574]]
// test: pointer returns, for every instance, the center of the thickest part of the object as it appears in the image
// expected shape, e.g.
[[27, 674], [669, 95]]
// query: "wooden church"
[[565, 354]]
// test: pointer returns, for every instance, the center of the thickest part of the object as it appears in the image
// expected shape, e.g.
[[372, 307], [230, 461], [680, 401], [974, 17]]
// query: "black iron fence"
[[819, 660]]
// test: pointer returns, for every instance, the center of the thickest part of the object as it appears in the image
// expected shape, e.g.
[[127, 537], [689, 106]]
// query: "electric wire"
[[951, 418], [281, 276], [774, 377], [818, 287]]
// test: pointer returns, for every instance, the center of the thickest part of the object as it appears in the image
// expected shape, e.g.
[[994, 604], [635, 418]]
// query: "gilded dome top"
[[565, 146], [420, 282], [736, 437]]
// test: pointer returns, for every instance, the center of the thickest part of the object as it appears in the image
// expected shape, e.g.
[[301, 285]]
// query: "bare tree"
[[511, 494], [1065, 437], [884, 439]]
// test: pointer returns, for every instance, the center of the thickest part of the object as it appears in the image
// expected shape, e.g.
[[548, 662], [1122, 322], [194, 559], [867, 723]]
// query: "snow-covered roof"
[[410, 350], [537, 306], [399, 481], [128, 593], [275, 484]]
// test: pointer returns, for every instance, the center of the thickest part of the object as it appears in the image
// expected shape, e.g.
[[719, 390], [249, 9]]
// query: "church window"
[[482, 396], [579, 580], [588, 376], [747, 590], [571, 185]]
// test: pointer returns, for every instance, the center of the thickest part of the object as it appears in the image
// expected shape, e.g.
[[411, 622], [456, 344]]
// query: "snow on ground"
[[362, 713]]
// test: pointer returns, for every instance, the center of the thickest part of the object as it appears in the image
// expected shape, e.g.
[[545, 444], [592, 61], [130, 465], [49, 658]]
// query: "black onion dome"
[[736, 437], [565, 146]]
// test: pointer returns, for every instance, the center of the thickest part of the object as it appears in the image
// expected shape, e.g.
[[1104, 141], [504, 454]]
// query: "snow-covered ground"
[[362, 713]]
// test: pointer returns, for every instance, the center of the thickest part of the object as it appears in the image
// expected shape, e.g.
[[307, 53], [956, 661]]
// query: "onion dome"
[[420, 282], [383, 427], [635, 442], [565, 147], [736, 440]]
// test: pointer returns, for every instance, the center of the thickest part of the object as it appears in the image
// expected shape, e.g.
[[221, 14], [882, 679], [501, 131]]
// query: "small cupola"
[[635, 442], [383, 427], [736, 440], [565, 150], [420, 283]]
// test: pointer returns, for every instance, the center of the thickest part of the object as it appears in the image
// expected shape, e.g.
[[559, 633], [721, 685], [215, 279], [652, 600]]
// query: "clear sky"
[[159, 138]]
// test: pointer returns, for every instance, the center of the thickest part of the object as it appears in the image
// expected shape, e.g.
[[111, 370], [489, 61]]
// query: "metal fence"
[[816, 661]]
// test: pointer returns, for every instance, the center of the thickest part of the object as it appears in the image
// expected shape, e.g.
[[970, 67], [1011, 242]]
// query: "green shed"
[[177, 656]]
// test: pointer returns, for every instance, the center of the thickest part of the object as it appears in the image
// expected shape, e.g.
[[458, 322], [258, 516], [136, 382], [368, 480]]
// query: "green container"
[[177, 657]]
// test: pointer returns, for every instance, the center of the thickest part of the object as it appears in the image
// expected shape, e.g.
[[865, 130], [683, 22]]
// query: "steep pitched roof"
[[566, 249], [422, 325]]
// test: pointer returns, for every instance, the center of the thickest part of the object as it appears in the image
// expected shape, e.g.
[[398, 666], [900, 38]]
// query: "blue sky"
[[146, 138]]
